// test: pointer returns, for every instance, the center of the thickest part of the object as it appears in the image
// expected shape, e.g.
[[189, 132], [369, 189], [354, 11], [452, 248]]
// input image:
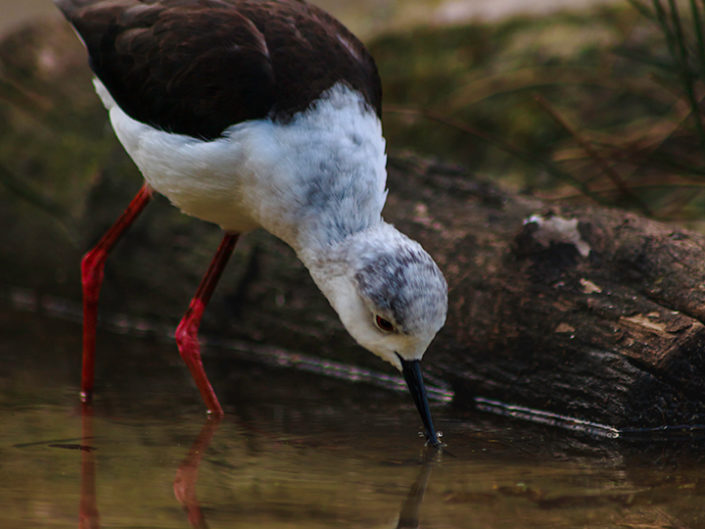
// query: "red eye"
[[383, 324]]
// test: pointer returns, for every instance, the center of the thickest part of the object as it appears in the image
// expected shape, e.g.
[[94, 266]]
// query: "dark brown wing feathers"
[[198, 66]]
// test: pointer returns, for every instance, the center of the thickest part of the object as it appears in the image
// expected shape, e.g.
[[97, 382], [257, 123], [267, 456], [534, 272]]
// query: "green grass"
[[603, 104]]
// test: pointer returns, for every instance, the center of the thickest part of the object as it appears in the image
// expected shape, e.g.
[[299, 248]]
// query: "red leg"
[[92, 267], [187, 331]]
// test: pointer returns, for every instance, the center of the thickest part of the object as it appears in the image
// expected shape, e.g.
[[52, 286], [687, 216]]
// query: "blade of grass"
[[687, 76], [662, 20], [698, 26], [646, 59], [643, 9]]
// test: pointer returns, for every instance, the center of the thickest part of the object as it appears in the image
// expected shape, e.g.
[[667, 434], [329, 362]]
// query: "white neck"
[[333, 269]]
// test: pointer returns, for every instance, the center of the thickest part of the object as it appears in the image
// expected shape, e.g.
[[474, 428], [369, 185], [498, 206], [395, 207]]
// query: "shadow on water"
[[295, 450]]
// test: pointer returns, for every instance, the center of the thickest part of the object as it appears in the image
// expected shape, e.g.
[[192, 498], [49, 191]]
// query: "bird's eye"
[[383, 324]]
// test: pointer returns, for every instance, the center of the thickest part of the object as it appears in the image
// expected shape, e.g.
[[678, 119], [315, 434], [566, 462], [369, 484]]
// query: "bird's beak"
[[414, 380]]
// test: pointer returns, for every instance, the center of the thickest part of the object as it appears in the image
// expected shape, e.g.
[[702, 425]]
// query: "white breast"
[[292, 178]]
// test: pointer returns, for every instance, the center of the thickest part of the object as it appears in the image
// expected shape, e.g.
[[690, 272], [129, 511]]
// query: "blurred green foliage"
[[603, 104]]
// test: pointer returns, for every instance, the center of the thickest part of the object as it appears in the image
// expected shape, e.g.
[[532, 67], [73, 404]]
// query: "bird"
[[261, 114]]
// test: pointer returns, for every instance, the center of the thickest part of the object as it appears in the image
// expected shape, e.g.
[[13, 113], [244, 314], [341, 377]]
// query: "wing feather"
[[198, 66]]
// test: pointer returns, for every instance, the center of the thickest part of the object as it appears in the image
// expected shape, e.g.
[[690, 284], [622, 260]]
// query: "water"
[[295, 449]]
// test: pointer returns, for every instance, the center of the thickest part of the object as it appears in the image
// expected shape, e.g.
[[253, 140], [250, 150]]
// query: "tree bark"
[[586, 311]]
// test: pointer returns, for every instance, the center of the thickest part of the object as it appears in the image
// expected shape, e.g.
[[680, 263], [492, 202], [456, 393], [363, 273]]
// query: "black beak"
[[414, 379]]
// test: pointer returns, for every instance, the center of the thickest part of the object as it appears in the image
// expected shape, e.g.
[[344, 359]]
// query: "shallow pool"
[[295, 449]]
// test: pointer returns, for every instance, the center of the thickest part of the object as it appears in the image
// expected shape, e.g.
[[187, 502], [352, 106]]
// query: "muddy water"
[[294, 450]]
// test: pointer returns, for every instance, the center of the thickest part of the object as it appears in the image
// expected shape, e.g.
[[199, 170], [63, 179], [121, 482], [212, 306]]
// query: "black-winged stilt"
[[253, 113]]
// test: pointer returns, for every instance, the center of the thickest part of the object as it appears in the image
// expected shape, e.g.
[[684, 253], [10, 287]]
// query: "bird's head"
[[392, 298], [401, 300]]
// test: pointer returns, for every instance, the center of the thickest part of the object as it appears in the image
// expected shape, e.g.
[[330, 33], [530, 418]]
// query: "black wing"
[[198, 66]]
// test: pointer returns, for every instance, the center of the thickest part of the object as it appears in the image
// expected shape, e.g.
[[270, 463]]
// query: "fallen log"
[[581, 311]]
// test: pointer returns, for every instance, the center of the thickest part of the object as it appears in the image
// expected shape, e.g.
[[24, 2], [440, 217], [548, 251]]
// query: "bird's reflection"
[[88, 517], [409, 513], [187, 477], [187, 474]]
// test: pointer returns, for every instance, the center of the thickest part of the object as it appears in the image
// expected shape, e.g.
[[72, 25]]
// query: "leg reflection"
[[88, 517], [409, 514], [187, 474]]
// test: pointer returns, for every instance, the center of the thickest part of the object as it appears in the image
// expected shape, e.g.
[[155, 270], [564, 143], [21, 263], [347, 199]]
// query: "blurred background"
[[366, 17], [595, 100]]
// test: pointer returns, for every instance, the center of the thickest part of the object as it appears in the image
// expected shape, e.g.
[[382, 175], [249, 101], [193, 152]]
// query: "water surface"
[[294, 450]]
